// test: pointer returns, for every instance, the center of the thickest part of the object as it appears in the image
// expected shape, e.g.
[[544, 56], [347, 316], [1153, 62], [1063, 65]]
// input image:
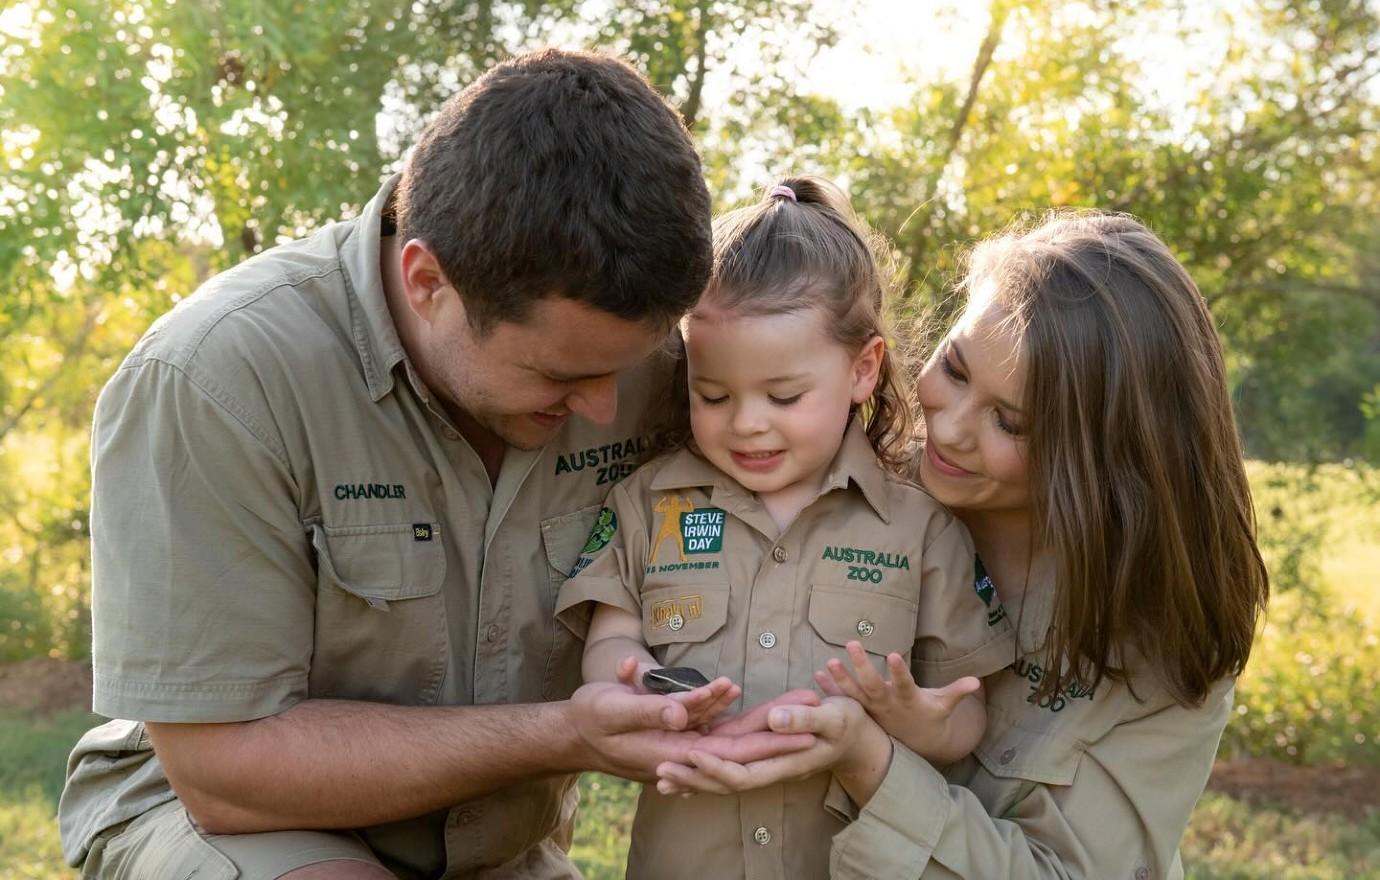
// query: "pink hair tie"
[[783, 191]]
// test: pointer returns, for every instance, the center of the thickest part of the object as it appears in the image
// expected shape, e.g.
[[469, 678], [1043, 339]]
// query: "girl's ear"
[[867, 367]]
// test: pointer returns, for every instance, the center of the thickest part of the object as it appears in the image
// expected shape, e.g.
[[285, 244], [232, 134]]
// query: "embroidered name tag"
[[681, 608]]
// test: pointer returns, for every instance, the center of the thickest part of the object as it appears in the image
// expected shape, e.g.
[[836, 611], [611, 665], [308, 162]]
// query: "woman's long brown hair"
[[1136, 473]]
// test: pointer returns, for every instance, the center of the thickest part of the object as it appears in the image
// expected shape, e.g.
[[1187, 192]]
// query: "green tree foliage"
[[145, 144], [1262, 175]]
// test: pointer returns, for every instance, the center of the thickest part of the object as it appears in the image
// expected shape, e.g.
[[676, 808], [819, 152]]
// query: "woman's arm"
[[1122, 816]]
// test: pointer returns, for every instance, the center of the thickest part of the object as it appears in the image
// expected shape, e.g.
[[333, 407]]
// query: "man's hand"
[[629, 734], [702, 705], [917, 716]]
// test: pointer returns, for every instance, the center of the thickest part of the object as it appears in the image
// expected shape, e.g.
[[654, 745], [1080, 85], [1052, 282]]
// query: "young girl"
[[777, 537], [1078, 422]]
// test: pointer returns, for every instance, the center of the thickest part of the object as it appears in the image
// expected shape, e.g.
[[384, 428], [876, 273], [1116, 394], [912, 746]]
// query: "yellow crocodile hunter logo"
[[686, 607], [670, 507]]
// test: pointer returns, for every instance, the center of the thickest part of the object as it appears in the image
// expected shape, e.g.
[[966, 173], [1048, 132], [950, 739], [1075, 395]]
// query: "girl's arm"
[[614, 635]]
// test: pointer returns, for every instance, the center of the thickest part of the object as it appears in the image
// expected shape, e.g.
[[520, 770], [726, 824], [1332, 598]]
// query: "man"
[[335, 492]]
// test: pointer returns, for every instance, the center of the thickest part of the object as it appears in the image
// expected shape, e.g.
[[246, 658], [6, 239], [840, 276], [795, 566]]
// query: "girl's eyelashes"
[[779, 401]]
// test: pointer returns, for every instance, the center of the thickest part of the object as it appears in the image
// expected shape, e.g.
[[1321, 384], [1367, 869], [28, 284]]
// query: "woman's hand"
[[847, 742]]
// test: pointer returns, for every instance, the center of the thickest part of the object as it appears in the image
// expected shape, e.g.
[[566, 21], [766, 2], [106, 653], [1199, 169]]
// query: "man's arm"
[[342, 764]]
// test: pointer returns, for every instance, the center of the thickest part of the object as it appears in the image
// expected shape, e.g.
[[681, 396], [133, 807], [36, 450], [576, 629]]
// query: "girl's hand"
[[702, 705], [847, 742], [905, 710]]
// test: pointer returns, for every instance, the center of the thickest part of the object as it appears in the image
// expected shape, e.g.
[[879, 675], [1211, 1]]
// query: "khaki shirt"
[[1086, 784], [701, 561], [282, 511]]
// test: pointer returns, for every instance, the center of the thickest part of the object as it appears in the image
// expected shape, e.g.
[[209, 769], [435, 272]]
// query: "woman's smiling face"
[[971, 392]]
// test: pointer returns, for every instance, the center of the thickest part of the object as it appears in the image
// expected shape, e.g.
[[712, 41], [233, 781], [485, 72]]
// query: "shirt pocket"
[[1016, 759], [679, 624], [880, 622], [380, 614], [562, 537]]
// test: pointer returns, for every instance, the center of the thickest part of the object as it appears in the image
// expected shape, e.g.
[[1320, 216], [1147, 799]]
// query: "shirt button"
[[780, 554], [1007, 755], [762, 835], [1142, 873], [492, 632], [767, 640], [865, 627], [676, 622]]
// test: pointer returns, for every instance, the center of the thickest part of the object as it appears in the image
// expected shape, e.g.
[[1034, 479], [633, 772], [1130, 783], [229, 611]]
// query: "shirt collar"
[[375, 336], [855, 462]]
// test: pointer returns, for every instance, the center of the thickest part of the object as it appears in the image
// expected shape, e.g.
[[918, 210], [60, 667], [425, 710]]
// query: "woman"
[[1078, 423]]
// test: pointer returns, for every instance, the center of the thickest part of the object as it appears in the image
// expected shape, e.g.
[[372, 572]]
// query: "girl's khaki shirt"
[[719, 588], [1090, 783]]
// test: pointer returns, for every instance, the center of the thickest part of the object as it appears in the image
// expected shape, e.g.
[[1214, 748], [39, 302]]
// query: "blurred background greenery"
[[146, 145]]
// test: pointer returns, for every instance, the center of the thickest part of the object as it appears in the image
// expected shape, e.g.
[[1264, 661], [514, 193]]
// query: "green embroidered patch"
[[602, 533]]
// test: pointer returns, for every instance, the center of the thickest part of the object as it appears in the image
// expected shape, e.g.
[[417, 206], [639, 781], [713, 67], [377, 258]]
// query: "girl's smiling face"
[[770, 395], [971, 393]]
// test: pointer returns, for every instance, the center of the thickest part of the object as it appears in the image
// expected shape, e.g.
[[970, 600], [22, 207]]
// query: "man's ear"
[[424, 284], [867, 367]]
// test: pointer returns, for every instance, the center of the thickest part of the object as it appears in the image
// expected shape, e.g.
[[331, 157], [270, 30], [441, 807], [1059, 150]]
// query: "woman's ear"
[[867, 368]]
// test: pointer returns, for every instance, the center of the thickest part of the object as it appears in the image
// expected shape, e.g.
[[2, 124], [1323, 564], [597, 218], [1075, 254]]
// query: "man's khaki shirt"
[[1088, 783], [282, 511], [719, 588]]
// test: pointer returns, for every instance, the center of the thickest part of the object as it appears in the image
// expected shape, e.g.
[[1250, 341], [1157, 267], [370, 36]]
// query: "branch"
[[984, 60], [691, 110], [70, 356]]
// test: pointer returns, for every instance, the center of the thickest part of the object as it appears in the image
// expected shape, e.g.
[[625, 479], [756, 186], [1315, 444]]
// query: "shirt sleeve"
[[202, 582], [609, 570], [1122, 816], [961, 628]]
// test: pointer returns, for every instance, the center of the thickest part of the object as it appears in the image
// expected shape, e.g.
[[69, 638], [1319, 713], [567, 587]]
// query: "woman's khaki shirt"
[[1090, 783]]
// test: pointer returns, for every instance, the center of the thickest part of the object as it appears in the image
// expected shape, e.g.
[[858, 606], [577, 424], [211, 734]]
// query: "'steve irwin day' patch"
[[702, 530]]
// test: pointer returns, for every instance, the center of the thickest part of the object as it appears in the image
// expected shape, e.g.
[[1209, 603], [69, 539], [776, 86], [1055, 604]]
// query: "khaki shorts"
[[163, 843]]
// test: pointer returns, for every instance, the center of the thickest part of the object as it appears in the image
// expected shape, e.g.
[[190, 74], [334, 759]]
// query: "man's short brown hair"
[[561, 173]]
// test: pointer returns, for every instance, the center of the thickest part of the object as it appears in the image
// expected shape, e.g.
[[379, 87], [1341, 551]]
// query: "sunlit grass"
[[33, 752], [1231, 840]]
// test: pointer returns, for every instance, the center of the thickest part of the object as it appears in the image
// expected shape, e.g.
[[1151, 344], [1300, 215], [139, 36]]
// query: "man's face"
[[521, 381]]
